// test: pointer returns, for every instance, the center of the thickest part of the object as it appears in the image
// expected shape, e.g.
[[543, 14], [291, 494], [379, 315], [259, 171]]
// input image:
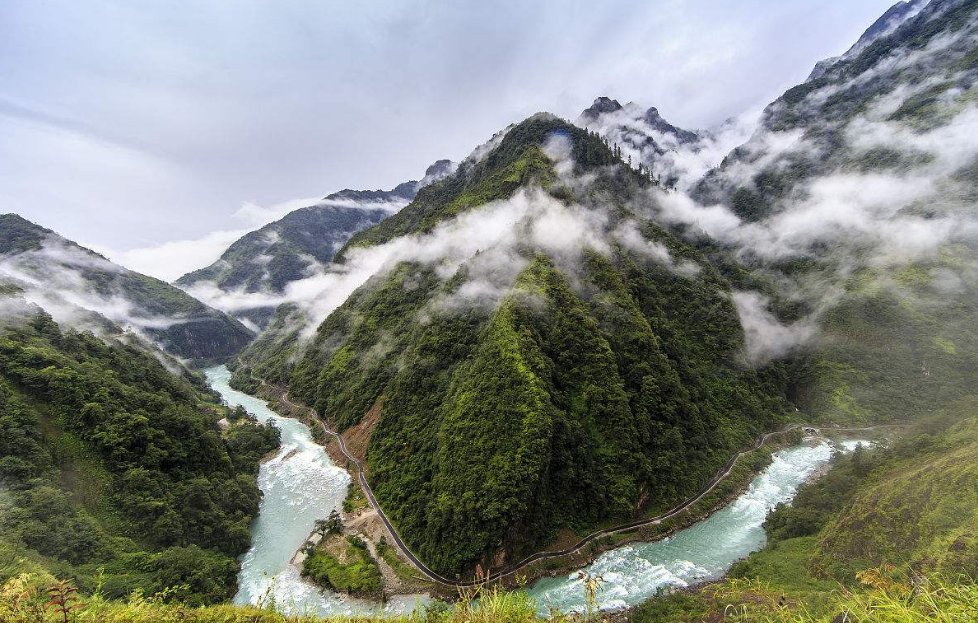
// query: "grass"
[[785, 566], [355, 499], [348, 568], [879, 600], [23, 599], [402, 569]]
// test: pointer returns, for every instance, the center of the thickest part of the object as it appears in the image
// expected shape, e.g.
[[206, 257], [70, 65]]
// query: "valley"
[[598, 369], [633, 571]]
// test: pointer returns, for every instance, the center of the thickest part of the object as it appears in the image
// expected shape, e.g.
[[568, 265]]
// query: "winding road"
[[435, 577]]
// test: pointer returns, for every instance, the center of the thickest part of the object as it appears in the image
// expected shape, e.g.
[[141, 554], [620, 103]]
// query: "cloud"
[[487, 241], [766, 337], [171, 260], [253, 215], [245, 116], [81, 289]]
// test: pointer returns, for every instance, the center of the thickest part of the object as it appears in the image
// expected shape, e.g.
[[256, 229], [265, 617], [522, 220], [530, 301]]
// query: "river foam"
[[301, 484], [633, 573]]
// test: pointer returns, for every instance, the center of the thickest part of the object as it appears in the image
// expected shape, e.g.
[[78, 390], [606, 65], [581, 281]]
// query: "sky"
[[158, 132]]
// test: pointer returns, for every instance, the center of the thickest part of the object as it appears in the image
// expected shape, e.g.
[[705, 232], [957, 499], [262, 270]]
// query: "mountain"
[[856, 193], [856, 196], [831, 255], [677, 157], [667, 132], [884, 26], [294, 247], [114, 470], [528, 352], [70, 281]]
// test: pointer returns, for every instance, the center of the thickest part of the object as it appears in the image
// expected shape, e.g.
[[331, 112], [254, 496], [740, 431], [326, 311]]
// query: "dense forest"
[[113, 469], [591, 393]]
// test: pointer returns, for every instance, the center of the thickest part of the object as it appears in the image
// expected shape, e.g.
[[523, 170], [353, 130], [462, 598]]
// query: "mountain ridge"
[[567, 347], [59, 273], [296, 246]]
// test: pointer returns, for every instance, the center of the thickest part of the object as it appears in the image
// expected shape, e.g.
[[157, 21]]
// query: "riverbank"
[[300, 485], [732, 482]]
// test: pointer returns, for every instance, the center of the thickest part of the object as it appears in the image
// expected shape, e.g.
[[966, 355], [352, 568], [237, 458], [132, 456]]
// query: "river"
[[301, 484], [705, 551]]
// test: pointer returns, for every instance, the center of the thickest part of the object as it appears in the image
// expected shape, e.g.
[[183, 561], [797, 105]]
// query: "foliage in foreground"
[[37, 599], [24, 599], [880, 600], [114, 470]]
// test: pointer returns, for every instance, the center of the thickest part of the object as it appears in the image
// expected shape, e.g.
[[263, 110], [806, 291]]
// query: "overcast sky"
[[127, 125]]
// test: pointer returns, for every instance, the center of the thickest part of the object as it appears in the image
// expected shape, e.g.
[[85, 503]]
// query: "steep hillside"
[[299, 245], [884, 26], [69, 280], [860, 115], [856, 195], [114, 472], [530, 354], [887, 530]]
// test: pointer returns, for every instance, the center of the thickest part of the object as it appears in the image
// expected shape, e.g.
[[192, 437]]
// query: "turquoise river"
[[301, 484]]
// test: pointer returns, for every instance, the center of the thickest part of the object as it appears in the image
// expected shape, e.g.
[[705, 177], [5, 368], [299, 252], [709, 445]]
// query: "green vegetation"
[[402, 569], [887, 529], [355, 499], [895, 348], [23, 600], [879, 599], [517, 162], [344, 565], [113, 472], [269, 258], [581, 399], [17, 234]]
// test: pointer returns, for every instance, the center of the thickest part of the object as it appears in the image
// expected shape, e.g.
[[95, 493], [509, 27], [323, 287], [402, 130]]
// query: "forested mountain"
[[114, 472], [576, 327], [844, 251], [570, 364], [857, 196], [857, 193], [294, 247], [71, 281]]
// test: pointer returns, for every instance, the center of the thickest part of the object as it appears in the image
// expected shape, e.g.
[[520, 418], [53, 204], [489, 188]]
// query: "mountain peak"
[[601, 106], [17, 234], [439, 170], [882, 27], [654, 119]]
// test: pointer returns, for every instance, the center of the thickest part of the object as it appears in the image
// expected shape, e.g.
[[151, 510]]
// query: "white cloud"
[[766, 337], [171, 260]]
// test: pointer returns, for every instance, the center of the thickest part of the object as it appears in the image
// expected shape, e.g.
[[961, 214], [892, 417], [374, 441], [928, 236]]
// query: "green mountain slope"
[[67, 278], [535, 384], [270, 258], [114, 471], [298, 245], [856, 194], [888, 531]]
